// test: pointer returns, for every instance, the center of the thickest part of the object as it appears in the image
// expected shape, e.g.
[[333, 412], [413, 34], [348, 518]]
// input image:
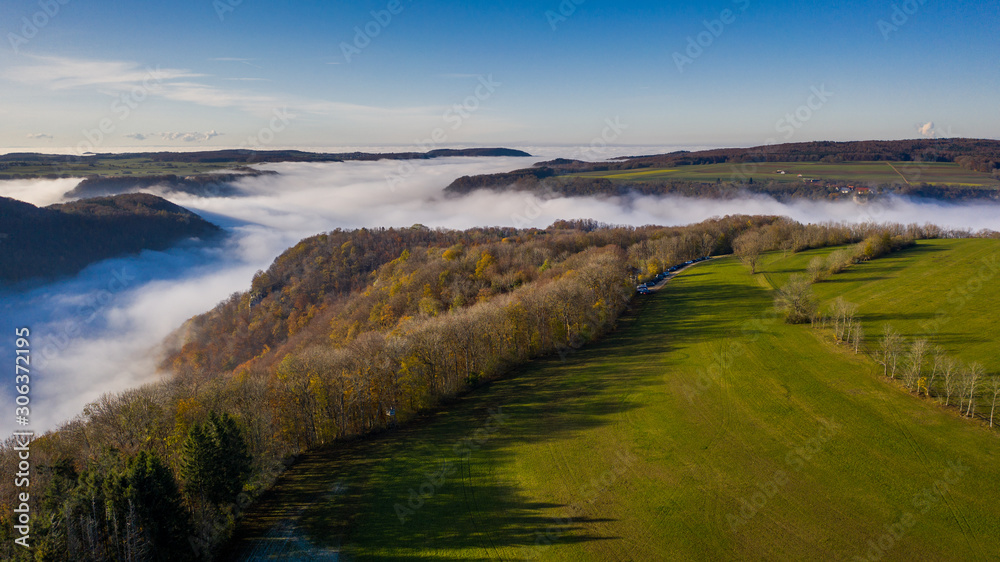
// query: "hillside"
[[704, 428], [63, 239], [167, 164], [944, 169], [353, 334], [203, 185]]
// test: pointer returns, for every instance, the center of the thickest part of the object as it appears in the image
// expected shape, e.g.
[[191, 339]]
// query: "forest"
[[346, 334], [63, 239]]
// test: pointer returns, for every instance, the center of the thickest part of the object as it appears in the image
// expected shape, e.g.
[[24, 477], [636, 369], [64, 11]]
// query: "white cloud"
[[174, 136], [39, 136], [190, 137], [927, 129], [121, 77], [60, 73]]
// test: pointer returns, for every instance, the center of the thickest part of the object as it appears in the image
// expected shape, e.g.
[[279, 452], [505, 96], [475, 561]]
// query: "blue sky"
[[214, 73]]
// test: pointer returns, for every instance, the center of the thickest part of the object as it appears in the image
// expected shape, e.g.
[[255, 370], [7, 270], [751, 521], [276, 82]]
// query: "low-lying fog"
[[98, 331]]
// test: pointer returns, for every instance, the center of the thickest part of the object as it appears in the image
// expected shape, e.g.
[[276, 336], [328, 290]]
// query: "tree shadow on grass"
[[427, 487], [430, 489], [882, 317], [869, 279]]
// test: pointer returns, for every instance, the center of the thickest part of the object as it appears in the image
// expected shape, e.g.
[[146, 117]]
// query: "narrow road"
[[670, 276]]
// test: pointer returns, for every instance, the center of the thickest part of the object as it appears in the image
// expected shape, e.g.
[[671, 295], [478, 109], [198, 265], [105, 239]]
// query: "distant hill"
[[203, 185], [63, 239], [982, 155], [561, 176], [210, 173], [26, 165]]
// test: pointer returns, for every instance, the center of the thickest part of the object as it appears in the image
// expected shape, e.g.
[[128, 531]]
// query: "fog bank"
[[98, 332]]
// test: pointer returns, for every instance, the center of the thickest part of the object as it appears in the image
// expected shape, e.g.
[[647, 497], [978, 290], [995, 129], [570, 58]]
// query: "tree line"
[[921, 368], [347, 333]]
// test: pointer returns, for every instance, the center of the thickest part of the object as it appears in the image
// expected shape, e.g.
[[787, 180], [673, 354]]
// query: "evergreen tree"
[[215, 460], [145, 511]]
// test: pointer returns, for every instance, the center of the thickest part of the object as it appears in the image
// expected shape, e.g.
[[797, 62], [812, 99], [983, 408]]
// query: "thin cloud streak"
[[119, 77]]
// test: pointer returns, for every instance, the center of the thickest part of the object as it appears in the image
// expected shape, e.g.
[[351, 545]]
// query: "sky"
[[125, 74]]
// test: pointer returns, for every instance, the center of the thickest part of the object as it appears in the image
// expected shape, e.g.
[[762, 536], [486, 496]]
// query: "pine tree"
[[233, 457], [215, 460], [145, 511]]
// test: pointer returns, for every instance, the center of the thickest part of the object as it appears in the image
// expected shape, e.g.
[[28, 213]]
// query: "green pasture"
[[137, 166], [704, 428], [862, 173]]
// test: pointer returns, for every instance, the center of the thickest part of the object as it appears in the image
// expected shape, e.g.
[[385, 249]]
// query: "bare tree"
[[973, 376], [817, 269], [889, 350], [707, 244], [857, 337], [748, 247], [796, 300], [915, 364], [937, 364], [949, 373], [995, 387], [843, 318]]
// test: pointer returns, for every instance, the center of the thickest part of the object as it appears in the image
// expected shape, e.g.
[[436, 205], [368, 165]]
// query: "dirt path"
[[898, 172]]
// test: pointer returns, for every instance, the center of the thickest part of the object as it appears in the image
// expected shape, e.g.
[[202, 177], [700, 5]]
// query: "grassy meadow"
[[850, 172], [138, 166], [704, 428]]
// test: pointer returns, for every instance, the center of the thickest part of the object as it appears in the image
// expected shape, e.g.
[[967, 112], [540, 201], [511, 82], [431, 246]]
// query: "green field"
[[138, 166], [850, 172], [702, 429]]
